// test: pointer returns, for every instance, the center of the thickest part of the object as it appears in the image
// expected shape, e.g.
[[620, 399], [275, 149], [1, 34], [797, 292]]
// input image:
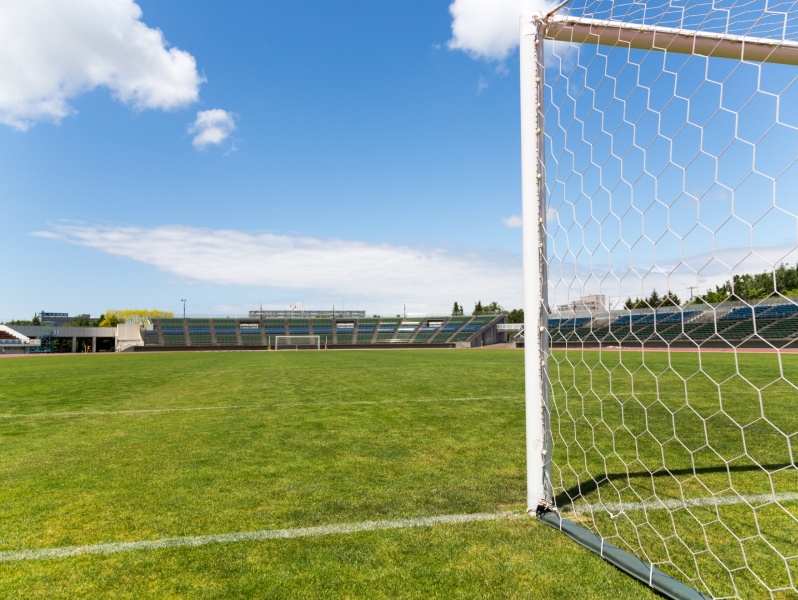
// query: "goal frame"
[[534, 29], [306, 342]]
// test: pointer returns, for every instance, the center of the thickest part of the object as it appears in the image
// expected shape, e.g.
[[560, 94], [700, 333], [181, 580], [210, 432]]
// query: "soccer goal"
[[660, 205], [297, 342]]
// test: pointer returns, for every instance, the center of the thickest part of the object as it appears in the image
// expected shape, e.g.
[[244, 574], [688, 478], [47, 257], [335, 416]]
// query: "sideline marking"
[[249, 536], [618, 508], [145, 411]]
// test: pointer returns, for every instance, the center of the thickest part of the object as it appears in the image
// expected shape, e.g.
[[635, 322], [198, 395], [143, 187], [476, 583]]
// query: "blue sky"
[[364, 155], [378, 162]]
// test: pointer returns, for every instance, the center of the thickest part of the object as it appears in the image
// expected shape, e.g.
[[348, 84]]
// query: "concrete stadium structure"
[[367, 332]]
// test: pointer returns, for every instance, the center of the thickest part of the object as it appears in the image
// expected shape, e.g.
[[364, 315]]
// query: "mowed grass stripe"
[[252, 406], [138, 382], [250, 536]]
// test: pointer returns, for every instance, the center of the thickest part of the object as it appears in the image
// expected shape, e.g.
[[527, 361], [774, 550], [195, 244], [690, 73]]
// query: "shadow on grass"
[[566, 497]]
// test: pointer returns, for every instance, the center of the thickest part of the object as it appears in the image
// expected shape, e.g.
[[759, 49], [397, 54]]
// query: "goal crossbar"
[[581, 30]]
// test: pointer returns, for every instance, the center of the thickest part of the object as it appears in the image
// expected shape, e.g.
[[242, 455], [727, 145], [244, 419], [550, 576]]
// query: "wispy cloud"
[[482, 84], [55, 50], [428, 276], [212, 127], [513, 222]]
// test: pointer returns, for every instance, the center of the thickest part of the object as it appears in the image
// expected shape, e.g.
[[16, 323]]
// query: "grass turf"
[[633, 427], [288, 440]]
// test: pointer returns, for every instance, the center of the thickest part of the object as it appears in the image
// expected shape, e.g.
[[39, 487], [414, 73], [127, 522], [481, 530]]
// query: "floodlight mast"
[[533, 193]]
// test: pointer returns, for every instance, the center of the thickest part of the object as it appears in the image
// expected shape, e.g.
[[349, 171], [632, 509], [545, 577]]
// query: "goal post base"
[[647, 574]]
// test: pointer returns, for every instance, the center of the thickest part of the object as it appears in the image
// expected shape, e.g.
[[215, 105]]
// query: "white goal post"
[[662, 155], [297, 342]]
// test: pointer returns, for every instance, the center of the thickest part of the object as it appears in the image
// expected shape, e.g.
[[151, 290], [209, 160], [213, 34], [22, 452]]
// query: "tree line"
[[514, 316], [782, 280], [110, 318]]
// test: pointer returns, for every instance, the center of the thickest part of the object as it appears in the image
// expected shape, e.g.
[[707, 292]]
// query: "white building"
[[595, 303]]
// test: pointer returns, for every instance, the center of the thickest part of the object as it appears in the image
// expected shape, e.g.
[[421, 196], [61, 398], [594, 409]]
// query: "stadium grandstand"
[[332, 332], [768, 324], [13, 342]]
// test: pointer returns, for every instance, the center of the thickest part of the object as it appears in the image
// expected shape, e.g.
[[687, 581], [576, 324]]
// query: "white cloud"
[[489, 28], [513, 222], [422, 275], [54, 50], [212, 127]]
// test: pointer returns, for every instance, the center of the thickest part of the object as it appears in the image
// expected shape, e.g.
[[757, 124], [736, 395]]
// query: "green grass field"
[[634, 430], [140, 448]]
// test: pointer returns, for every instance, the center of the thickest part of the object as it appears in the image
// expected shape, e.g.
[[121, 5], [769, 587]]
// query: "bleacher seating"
[[406, 330], [225, 330], [251, 332], [199, 331], [387, 329], [344, 332], [298, 327], [788, 309], [174, 334], [323, 326], [8, 339], [679, 316], [426, 332], [448, 330], [365, 330], [785, 328]]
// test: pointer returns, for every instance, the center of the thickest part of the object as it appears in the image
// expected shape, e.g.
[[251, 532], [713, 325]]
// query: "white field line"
[[145, 411], [618, 508], [249, 536], [345, 528]]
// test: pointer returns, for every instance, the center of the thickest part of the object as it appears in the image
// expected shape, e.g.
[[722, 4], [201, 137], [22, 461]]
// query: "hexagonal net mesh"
[[671, 242]]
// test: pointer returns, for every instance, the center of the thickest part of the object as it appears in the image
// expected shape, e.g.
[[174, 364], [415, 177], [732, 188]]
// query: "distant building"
[[58, 318], [306, 314], [595, 303]]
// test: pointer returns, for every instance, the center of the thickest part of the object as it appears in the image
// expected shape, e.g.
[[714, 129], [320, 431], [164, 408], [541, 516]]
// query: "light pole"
[[183, 300]]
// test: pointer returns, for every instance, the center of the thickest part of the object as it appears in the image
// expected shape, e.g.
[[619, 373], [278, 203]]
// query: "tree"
[[457, 310], [721, 293], [140, 317], [109, 320], [783, 280], [34, 321], [670, 299], [493, 307], [79, 321], [478, 308], [516, 316], [654, 301]]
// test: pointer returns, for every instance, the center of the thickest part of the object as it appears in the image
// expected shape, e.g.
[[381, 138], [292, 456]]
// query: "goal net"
[[297, 342], [660, 160]]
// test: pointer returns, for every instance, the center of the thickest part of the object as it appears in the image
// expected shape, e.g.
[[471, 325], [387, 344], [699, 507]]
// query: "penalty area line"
[[249, 536]]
